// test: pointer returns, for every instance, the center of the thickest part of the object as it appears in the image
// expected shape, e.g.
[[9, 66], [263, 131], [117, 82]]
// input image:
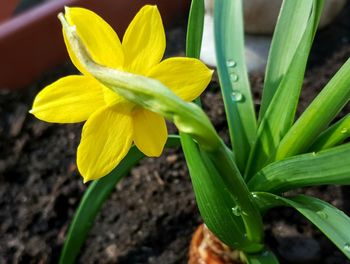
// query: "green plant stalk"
[[234, 82], [193, 47], [188, 117]]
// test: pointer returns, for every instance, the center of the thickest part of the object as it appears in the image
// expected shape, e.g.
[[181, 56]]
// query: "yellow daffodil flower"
[[112, 122]]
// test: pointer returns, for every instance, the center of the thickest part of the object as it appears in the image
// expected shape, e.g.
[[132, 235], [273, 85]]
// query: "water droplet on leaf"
[[234, 77], [322, 214], [236, 96], [237, 210], [231, 63], [347, 247], [344, 130]]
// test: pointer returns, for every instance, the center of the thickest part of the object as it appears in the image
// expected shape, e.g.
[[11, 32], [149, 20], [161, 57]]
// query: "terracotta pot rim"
[[32, 42]]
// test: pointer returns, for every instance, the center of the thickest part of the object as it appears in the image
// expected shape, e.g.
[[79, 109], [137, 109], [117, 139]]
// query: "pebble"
[[295, 247], [112, 252], [171, 158], [256, 49]]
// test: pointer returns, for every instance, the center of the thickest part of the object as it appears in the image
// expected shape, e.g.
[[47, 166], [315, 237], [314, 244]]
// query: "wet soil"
[[150, 216]]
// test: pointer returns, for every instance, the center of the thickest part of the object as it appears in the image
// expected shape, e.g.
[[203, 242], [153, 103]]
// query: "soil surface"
[[150, 216]]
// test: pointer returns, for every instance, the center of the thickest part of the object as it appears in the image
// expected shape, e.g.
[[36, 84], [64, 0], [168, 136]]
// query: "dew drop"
[[322, 214], [237, 211], [344, 130], [347, 247], [236, 96], [231, 63], [234, 77]]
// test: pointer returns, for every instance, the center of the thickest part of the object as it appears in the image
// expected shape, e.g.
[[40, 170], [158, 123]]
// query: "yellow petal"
[[186, 77], [150, 132], [144, 40], [105, 140], [98, 37], [69, 100]]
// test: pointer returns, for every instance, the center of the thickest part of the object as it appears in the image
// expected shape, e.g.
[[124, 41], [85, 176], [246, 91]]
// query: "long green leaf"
[[331, 166], [93, 199], [333, 136], [195, 32], [323, 109], [329, 220], [195, 29], [280, 114], [291, 24], [213, 199], [231, 66]]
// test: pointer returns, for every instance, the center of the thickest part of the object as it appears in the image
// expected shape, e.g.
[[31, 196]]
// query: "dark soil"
[[152, 213]]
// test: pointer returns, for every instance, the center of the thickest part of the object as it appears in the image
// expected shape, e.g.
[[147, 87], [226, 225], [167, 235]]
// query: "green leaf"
[[291, 24], [231, 66], [329, 220], [195, 29], [331, 166], [195, 32], [333, 136], [217, 205], [266, 257], [280, 114], [93, 199], [223, 162], [320, 113]]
